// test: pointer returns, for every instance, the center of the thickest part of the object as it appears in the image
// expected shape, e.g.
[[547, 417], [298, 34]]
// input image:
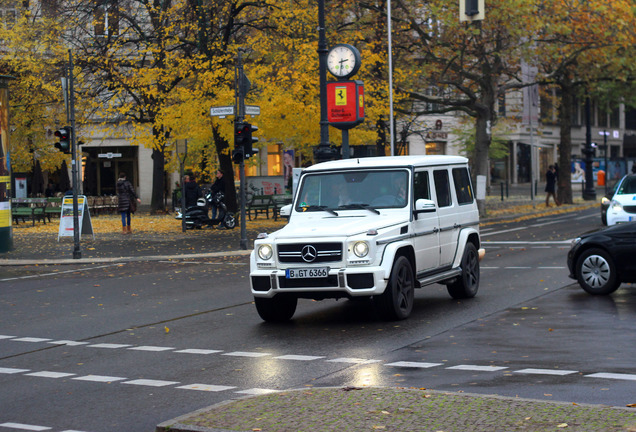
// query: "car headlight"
[[265, 251], [605, 201], [616, 205], [361, 249]]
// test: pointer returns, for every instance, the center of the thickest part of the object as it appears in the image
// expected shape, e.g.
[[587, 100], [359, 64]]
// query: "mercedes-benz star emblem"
[[309, 253]]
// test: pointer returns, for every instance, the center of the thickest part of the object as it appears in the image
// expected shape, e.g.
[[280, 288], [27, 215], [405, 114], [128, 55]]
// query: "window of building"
[[615, 117], [274, 160], [107, 17]]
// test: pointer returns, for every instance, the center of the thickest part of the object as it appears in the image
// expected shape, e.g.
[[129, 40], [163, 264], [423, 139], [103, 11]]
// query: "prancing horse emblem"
[[309, 253]]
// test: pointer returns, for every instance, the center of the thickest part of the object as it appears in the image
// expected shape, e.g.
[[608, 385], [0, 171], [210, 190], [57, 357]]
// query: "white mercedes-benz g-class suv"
[[372, 227]]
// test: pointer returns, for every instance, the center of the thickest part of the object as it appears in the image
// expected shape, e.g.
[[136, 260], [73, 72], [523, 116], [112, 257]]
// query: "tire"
[[396, 302], [604, 217], [276, 309], [467, 284], [596, 272], [229, 221]]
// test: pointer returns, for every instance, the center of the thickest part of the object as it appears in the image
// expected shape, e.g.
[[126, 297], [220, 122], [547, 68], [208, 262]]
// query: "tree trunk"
[[158, 180], [566, 106], [226, 165]]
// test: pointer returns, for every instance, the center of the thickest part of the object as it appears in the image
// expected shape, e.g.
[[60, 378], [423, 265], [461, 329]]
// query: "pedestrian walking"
[[127, 201], [550, 185]]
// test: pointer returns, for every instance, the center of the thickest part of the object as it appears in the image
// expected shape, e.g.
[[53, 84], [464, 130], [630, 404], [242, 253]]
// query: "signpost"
[[68, 216]]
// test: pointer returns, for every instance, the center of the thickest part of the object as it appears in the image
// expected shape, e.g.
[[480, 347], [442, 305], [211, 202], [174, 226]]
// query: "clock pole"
[[323, 152]]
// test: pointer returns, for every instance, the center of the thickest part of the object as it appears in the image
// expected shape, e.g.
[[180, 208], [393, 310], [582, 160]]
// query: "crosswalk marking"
[[23, 426], [4, 370], [109, 345], [99, 378], [560, 372], [353, 360], [151, 383], [607, 375], [198, 351], [68, 342], [256, 391], [246, 354], [151, 348], [477, 368], [299, 357], [47, 374], [206, 387], [422, 365], [30, 339], [6, 337]]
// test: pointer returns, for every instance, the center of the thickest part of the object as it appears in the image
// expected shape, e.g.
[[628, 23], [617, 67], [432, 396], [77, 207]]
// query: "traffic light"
[[243, 140], [64, 137], [237, 155]]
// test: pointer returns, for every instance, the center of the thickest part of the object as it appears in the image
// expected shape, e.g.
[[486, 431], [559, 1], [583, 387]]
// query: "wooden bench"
[[259, 204], [280, 201], [32, 208], [53, 208]]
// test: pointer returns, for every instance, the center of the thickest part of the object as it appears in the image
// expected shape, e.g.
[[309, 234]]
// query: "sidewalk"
[[161, 237]]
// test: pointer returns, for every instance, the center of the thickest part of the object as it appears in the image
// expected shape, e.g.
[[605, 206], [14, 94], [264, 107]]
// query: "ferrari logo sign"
[[345, 104]]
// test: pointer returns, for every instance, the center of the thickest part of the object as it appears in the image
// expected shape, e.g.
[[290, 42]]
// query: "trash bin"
[[600, 178]]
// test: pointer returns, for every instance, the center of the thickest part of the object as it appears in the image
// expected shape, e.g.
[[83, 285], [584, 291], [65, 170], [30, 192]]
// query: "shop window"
[[274, 160]]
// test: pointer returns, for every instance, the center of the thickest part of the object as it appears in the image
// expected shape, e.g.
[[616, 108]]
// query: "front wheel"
[[276, 309], [596, 272], [396, 302], [467, 283]]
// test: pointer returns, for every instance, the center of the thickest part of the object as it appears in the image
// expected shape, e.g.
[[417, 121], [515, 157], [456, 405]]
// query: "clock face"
[[343, 60]]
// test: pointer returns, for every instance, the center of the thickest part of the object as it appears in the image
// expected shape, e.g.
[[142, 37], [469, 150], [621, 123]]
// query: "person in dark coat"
[[126, 197], [192, 191], [217, 186], [550, 185]]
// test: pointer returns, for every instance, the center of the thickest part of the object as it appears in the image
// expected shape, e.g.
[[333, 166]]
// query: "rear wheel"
[[467, 283], [229, 221], [596, 272], [396, 302], [276, 309]]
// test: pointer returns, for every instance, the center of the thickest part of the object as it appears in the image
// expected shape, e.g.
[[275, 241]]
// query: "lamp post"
[[182, 149], [605, 134], [589, 193]]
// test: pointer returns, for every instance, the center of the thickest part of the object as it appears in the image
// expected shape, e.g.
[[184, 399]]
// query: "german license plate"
[[303, 273]]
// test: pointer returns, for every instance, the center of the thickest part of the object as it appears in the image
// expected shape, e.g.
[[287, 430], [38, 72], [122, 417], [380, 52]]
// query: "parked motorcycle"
[[198, 216]]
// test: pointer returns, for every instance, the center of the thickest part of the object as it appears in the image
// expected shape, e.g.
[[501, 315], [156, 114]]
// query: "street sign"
[[222, 111], [252, 110], [109, 155]]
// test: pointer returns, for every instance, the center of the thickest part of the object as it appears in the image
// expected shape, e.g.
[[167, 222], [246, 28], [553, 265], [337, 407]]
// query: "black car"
[[601, 260]]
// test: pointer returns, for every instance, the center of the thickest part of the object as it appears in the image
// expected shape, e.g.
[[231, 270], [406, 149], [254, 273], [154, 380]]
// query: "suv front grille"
[[309, 253]]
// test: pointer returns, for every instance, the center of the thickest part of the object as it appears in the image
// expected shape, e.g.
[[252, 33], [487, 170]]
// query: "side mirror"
[[424, 206], [285, 211]]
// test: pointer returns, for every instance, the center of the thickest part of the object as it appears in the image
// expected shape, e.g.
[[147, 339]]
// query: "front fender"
[[389, 253], [466, 235]]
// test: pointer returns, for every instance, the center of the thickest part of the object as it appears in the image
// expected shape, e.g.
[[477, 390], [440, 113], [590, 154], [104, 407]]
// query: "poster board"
[[66, 217]]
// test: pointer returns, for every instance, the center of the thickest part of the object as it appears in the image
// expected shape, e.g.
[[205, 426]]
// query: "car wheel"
[[276, 309], [229, 221], [596, 272], [604, 217], [467, 283], [396, 303]]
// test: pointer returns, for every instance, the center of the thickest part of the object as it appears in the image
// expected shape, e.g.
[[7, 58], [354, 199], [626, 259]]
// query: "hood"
[[321, 224]]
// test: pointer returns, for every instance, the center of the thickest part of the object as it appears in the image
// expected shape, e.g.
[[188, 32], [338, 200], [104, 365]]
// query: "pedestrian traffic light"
[[64, 137]]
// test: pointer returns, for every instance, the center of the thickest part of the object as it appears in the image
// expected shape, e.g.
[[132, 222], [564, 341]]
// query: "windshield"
[[628, 186], [351, 190]]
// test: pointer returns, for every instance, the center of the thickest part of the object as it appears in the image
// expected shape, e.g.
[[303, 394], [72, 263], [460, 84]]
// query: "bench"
[[279, 201], [259, 204], [53, 207], [31, 208]]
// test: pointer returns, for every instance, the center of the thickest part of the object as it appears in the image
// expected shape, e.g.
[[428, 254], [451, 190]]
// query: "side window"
[[442, 188], [421, 188], [462, 186]]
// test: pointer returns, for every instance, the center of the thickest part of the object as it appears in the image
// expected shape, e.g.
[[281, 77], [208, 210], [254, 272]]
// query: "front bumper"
[[341, 282]]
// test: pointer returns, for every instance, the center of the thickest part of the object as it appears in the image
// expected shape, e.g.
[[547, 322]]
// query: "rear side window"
[[463, 189], [442, 188]]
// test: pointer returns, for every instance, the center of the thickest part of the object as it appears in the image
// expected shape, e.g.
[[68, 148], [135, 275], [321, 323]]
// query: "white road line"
[[206, 387], [616, 376], [58, 273], [477, 368], [68, 342], [198, 351], [23, 426], [246, 354], [30, 339], [299, 357], [12, 370], [503, 231], [413, 364], [151, 348], [558, 372], [6, 337], [99, 378], [109, 346], [517, 268], [552, 268], [151, 383], [353, 360], [47, 374], [257, 391], [521, 242]]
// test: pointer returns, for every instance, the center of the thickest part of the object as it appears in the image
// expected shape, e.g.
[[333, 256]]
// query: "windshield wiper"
[[359, 206], [320, 208]]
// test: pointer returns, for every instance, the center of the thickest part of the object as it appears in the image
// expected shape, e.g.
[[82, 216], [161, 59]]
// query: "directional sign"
[[109, 155], [222, 111], [252, 110]]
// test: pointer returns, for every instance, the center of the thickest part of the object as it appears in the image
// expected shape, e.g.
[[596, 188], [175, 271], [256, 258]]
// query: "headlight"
[[361, 249], [265, 252], [605, 201], [616, 205]]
